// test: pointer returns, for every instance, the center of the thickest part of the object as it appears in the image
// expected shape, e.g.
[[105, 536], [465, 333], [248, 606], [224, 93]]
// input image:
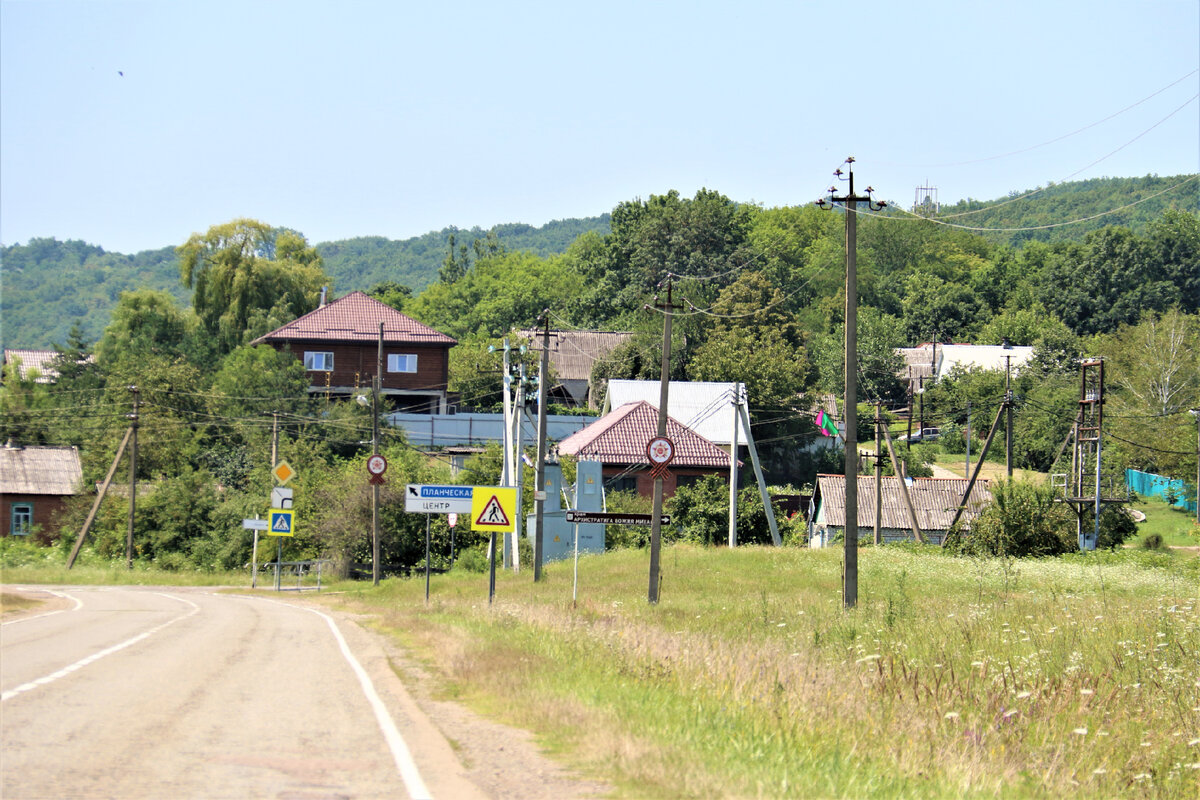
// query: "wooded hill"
[[51, 285]]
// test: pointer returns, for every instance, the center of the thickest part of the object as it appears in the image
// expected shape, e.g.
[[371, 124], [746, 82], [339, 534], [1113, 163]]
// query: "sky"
[[132, 125]]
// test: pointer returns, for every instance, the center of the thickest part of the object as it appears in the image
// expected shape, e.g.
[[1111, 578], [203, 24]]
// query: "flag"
[[826, 425]]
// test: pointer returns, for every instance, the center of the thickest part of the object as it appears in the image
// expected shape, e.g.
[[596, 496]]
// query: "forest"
[[758, 296]]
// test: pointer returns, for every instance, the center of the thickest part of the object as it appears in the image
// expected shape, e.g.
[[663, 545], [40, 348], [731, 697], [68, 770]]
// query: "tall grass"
[[952, 678]]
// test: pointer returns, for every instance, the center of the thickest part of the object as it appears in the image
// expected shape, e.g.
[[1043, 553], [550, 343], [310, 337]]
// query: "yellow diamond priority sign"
[[283, 473], [494, 508]]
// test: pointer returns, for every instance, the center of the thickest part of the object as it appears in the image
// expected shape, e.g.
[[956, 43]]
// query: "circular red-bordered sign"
[[376, 465], [660, 451]]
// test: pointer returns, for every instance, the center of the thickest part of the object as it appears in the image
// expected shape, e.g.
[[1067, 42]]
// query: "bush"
[[1153, 542], [1023, 520]]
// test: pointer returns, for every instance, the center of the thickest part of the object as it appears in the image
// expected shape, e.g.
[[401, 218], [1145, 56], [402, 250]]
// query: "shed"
[[35, 483], [934, 500]]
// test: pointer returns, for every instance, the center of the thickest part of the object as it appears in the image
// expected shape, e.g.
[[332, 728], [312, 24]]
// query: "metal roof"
[[355, 318], [704, 406], [574, 353], [40, 470], [621, 438], [934, 499]]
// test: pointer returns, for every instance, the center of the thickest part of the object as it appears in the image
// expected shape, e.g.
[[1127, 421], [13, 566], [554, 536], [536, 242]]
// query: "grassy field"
[[953, 677]]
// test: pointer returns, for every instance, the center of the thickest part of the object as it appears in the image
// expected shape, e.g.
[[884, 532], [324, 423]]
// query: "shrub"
[[1023, 520], [1153, 542]]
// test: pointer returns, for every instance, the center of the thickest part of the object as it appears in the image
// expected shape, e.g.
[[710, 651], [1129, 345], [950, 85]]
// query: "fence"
[[1147, 484], [299, 569]]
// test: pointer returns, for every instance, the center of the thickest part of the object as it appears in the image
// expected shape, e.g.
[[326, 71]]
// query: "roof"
[[934, 499], [705, 407], [356, 318], [621, 438], [574, 353], [40, 360], [40, 470], [919, 361]]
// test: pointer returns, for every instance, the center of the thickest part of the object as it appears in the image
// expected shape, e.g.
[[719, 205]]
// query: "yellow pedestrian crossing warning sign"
[[494, 508], [281, 523]]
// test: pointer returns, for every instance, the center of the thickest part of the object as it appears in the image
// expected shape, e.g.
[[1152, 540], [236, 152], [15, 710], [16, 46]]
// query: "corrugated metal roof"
[[574, 353], [934, 499], [356, 318], [621, 438], [40, 470], [704, 406], [40, 360]]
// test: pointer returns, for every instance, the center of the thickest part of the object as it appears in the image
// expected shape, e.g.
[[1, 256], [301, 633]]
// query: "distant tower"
[[925, 201]]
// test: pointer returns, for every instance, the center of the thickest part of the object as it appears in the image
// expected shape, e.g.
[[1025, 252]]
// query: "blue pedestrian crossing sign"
[[281, 523]]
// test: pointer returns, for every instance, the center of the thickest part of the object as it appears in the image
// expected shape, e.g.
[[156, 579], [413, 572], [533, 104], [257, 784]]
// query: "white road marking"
[[78, 605], [391, 734], [108, 651]]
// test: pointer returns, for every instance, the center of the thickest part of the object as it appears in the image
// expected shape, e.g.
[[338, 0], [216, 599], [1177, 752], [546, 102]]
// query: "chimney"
[[324, 292]]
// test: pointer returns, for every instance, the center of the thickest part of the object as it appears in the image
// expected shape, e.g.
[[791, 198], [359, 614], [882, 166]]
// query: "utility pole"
[[878, 477], [518, 465], [1195, 412], [1008, 423], [376, 388], [850, 577], [733, 472], [539, 493], [133, 427], [968, 470], [663, 391]]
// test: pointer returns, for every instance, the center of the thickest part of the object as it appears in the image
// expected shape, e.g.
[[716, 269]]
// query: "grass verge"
[[952, 678]]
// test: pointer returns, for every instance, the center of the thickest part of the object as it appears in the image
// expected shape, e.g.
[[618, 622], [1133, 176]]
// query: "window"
[[625, 483], [318, 362], [22, 519], [401, 363]]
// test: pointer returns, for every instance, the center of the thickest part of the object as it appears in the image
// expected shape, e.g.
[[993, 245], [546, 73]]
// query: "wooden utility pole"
[[91, 517], [896, 467], [539, 493], [850, 569], [664, 384], [133, 427], [1195, 412]]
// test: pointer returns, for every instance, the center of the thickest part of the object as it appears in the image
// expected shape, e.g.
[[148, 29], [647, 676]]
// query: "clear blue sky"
[[396, 118]]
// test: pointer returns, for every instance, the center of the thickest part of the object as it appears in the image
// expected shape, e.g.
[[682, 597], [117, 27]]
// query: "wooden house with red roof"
[[35, 484], [618, 441], [339, 344]]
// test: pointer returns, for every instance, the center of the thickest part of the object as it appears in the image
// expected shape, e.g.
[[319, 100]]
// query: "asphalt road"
[[185, 693]]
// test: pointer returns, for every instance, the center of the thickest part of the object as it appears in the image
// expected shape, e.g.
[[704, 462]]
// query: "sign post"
[[494, 509]]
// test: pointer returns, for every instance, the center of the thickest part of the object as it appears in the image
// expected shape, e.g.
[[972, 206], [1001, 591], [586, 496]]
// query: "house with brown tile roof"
[[339, 345], [618, 441], [35, 483], [572, 356]]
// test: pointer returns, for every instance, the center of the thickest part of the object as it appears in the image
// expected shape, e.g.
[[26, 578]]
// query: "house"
[[35, 483], [934, 500], [339, 344], [572, 356], [618, 441], [933, 361], [41, 361], [705, 408]]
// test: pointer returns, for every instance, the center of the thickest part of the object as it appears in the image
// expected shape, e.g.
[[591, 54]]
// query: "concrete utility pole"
[[1008, 423], [133, 427], [733, 472], [878, 477], [1195, 412], [518, 465], [850, 577], [664, 384], [376, 388], [539, 495]]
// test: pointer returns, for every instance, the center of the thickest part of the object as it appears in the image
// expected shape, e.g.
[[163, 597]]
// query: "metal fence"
[[307, 574]]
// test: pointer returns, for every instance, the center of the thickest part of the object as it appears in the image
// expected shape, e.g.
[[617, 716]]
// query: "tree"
[[936, 310], [144, 322], [246, 266]]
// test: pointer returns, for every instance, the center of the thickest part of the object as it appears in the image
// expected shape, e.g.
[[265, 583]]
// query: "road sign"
[[283, 472], [494, 508], [282, 523], [376, 465], [615, 519], [281, 498], [255, 524], [431, 499]]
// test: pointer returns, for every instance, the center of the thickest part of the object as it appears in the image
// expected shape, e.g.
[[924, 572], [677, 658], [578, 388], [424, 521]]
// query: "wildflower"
[[1099, 771], [951, 715], [871, 657], [1080, 731], [1008, 714], [1193, 742], [1086, 691], [1146, 744], [1142, 776]]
